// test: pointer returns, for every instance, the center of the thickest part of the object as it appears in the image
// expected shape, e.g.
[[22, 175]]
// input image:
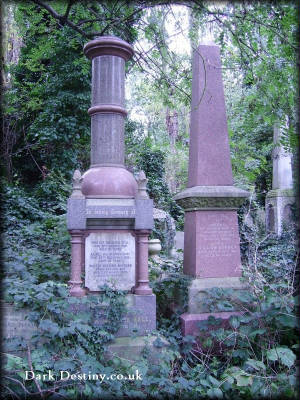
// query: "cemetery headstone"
[[110, 215], [211, 236], [280, 199]]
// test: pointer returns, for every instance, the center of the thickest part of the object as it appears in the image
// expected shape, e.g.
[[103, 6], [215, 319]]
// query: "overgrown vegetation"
[[47, 135], [254, 356]]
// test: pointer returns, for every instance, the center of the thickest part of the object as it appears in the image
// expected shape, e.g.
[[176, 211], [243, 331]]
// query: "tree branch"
[[59, 17]]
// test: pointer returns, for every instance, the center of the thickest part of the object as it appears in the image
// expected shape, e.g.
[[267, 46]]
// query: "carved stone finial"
[[142, 184], [77, 179]]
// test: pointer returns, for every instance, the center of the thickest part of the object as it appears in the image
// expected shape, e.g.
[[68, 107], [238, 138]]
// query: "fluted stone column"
[[107, 176], [142, 276], [76, 264]]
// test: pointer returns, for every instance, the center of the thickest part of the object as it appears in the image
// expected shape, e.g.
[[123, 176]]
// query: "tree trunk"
[[172, 127]]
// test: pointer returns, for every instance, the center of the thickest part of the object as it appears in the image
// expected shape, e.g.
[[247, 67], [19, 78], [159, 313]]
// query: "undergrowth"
[[253, 356]]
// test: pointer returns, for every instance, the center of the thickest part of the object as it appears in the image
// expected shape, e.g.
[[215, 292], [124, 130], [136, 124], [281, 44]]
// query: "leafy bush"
[[152, 163]]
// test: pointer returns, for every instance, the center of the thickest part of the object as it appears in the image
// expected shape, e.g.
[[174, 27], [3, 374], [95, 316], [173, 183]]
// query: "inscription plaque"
[[110, 212], [14, 323], [110, 258], [218, 249]]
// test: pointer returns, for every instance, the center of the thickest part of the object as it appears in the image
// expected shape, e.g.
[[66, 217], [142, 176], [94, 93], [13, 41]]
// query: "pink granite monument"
[[211, 236], [110, 215]]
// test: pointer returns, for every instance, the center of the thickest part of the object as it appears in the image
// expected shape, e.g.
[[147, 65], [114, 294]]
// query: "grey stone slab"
[[76, 218], [282, 160], [15, 323], [110, 223], [179, 240], [140, 317], [110, 258], [132, 349], [144, 214]]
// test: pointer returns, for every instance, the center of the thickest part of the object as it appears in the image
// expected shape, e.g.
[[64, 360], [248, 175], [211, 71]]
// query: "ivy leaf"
[[234, 322], [64, 365], [288, 320], [283, 355], [49, 326], [244, 380], [256, 364], [215, 393]]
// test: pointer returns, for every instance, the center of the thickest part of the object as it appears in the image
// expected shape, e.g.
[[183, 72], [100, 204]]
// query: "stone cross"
[[280, 199], [211, 237], [282, 163]]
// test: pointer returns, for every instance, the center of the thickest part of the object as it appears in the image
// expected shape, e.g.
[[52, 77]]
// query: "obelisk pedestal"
[[211, 237], [281, 198]]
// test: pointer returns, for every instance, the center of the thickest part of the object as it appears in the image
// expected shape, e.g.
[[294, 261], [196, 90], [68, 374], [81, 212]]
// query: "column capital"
[[108, 45]]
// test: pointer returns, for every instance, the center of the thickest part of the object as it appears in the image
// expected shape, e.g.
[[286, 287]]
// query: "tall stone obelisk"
[[281, 198], [211, 237]]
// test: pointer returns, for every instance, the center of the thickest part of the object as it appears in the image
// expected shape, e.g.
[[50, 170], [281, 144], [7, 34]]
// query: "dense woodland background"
[[46, 136]]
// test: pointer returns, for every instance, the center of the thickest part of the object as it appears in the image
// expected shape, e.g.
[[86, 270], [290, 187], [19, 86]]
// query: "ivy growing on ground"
[[253, 356]]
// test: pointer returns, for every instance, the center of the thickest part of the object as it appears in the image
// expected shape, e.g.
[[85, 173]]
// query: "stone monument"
[[110, 215], [211, 236], [280, 199]]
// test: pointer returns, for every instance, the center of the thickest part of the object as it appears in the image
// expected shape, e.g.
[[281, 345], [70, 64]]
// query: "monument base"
[[197, 292], [201, 306], [139, 318], [279, 204], [131, 349], [191, 323]]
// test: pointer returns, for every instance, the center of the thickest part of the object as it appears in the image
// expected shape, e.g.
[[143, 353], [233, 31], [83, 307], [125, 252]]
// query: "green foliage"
[[36, 242], [152, 163], [257, 356], [168, 282], [47, 137], [51, 85]]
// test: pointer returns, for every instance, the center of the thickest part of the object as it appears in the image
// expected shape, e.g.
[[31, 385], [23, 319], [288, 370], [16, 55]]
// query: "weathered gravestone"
[[280, 199], [211, 237], [15, 323], [110, 215]]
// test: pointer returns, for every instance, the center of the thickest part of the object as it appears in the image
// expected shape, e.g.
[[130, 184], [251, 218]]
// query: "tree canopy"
[[46, 127]]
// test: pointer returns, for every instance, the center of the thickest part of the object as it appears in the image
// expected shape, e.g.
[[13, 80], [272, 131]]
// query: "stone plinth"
[[190, 323], [198, 291], [139, 318], [211, 244], [211, 236]]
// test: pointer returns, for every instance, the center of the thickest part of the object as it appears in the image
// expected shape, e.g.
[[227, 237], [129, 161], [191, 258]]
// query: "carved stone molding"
[[211, 198], [210, 203]]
